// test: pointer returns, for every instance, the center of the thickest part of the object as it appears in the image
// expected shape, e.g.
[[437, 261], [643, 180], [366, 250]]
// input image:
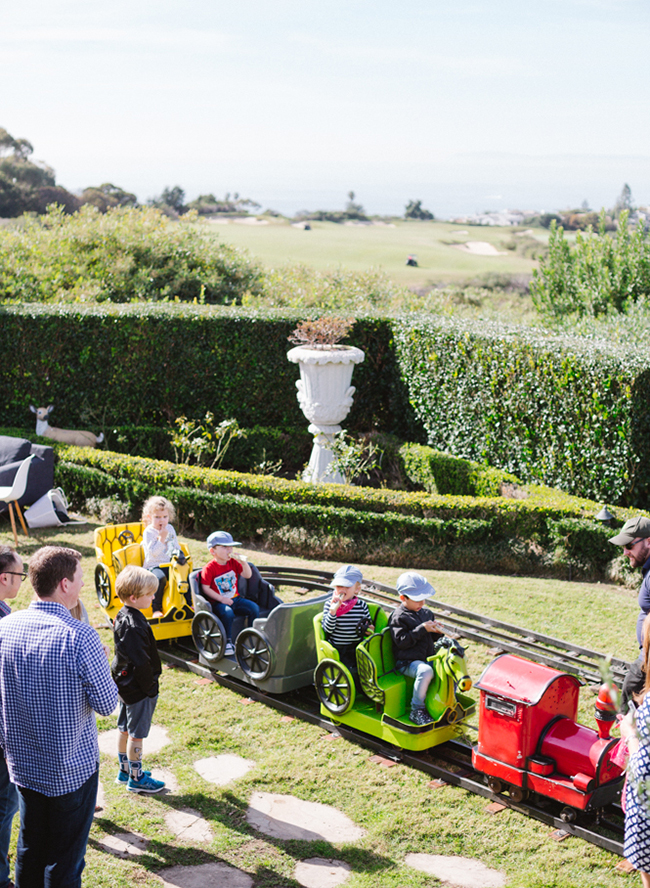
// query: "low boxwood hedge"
[[547, 533]]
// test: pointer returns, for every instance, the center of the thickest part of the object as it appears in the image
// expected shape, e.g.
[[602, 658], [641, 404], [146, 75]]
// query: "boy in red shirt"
[[219, 583]]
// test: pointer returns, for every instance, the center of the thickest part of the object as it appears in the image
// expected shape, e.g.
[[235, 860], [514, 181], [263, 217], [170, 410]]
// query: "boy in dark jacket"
[[135, 669], [414, 630]]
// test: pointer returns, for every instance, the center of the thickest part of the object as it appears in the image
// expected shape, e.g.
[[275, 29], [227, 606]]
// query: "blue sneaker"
[[145, 784], [123, 777]]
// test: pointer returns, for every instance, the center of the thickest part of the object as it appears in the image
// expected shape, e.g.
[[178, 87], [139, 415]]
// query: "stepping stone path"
[[188, 826], [158, 738], [285, 817], [124, 844], [223, 769], [461, 872], [318, 872], [208, 875]]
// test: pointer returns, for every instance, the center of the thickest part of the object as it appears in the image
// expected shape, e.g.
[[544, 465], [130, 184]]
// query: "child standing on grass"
[[160, 543], [343, 612], [135, 668], [219, 584], [413, 631]]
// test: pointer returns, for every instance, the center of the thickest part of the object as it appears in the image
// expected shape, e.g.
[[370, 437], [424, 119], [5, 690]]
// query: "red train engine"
[[529, 740]]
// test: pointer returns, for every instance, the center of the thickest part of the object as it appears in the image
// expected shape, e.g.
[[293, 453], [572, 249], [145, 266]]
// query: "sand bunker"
[[479, 248], [285, 817], [250, 220], [461, 872]]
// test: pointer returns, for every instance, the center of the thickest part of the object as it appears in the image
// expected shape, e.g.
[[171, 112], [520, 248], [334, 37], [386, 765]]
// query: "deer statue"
[[43, 428]]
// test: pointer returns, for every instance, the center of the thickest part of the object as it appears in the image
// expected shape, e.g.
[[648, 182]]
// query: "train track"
[[495, 634], [449, 763]]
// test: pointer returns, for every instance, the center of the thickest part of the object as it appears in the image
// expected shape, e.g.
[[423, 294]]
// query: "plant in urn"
[[324, 390]]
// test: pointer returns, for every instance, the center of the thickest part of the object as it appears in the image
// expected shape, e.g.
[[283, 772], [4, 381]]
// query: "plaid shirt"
[[53, 674], [5, 610]]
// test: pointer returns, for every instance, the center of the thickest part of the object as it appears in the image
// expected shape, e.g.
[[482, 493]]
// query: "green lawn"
[[396, 806], [330, 246]]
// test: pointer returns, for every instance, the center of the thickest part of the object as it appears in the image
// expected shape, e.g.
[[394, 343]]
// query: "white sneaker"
[[229, 650]]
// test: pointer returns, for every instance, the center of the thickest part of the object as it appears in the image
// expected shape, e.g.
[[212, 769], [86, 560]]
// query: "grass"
[[329, 246], [396, 806]]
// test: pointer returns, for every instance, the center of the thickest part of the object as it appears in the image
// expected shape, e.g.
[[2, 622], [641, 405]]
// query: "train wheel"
[[103, 585], [495, 785], [208, 636], [568, 815], [253, 654], [517, 794], [334, 687]]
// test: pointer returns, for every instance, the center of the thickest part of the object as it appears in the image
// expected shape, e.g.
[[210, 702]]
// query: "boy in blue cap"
[[414, 630], [345, 615], [219, 584]]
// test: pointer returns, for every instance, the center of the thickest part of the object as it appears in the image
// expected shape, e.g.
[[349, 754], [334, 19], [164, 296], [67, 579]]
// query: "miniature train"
[[529, 740]]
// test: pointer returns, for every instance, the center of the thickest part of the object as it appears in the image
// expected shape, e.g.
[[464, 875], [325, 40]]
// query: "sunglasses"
[[632, 544]]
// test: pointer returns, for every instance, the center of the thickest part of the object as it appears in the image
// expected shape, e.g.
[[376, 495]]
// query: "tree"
[[624, 201], [414, 211], [24, 184], [107, 196], [171, 201]]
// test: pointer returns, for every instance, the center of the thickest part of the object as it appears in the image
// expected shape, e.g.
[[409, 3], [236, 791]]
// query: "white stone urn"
[[325, 397]]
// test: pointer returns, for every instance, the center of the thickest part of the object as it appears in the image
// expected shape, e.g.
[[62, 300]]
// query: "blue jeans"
[[240, 606], [8, 807], [422, 673], [53, 836]]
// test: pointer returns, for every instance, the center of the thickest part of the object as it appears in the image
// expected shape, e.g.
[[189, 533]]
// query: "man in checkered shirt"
[[54, 675]]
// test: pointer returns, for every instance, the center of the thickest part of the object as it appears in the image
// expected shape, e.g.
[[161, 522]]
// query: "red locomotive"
[[529, 740]]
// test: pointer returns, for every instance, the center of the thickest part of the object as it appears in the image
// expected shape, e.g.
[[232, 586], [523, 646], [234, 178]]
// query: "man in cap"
[[635, 540]]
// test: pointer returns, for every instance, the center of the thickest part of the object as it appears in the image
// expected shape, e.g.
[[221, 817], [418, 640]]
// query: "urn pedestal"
[[325, 397]]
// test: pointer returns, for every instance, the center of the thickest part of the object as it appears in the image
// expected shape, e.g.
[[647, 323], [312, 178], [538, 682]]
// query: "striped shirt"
[[53, 674], [343, 630]]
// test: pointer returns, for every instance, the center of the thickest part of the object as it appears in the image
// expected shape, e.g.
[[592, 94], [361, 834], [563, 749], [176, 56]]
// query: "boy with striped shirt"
[[343, 611]]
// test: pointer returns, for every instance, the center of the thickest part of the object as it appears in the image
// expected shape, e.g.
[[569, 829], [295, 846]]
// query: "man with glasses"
[[54, 676], [12, 573], [635, 540]]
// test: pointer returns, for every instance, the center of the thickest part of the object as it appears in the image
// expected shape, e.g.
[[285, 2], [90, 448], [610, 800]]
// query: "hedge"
[[548, 533], [566, 411], [144, 365], [446, 474]]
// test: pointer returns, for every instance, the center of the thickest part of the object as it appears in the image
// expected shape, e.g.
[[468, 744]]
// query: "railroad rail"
[[449, 763], [495, 634]]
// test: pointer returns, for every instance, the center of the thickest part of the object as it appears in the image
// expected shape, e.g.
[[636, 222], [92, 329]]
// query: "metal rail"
[[455, 754], [546, 649]]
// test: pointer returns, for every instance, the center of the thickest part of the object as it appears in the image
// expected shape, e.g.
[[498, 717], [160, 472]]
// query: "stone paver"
[[208, 875], [157, 739], [223, 769], [100, 804], [188, 826], [124, 844], [318, 872], [171, 783], [461, 872], [285, 817]]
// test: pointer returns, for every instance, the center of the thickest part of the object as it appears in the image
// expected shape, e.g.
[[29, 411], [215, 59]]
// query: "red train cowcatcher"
[[529, 739]]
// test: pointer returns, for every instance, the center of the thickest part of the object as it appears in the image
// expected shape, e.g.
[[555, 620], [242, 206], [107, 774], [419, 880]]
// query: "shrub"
[[445, 474], [122, 256]]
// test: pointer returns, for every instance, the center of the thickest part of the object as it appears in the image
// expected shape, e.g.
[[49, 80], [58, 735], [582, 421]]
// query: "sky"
[[467, 106]]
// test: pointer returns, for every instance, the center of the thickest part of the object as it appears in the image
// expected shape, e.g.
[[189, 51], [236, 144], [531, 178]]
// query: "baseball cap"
[[347, 576], [414, 586], [634, 529], [221, 538]]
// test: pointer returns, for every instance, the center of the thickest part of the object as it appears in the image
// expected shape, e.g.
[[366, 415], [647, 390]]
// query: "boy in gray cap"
[[414, 630], [634, 537]]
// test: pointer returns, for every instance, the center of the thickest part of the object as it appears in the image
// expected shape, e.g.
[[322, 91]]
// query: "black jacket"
[[136, 665], [411, 640]]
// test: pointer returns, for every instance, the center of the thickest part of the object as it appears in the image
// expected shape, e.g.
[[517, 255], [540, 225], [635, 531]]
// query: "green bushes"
[[547, 533], [568, 412], [445, 474], [600, 273], [125, 255]]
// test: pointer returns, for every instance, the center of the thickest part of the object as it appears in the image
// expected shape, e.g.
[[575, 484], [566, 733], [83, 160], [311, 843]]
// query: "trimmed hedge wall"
[[445, 474], [116, 365], [566, 411], [546, 534]]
